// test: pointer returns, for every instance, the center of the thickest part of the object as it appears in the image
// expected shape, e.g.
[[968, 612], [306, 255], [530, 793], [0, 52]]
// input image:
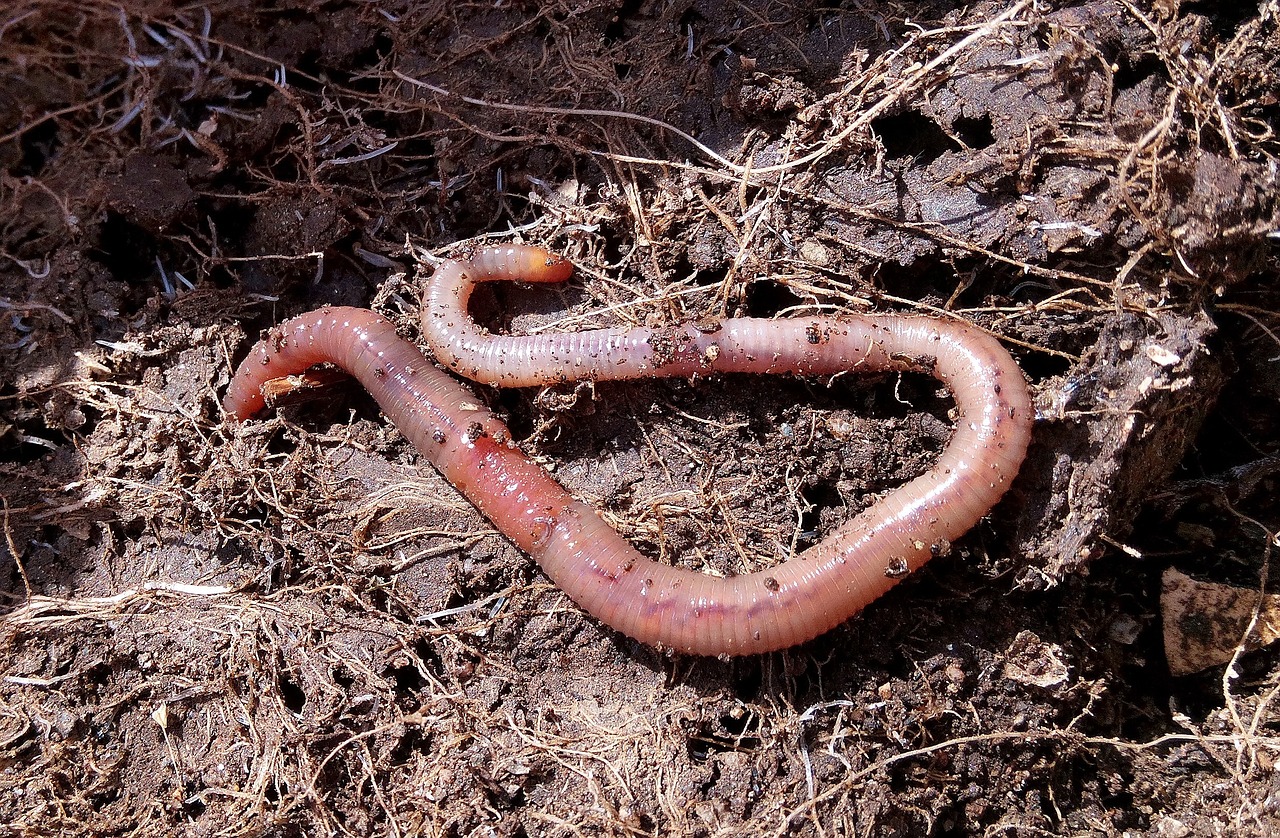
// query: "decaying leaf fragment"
[[1204, 621]]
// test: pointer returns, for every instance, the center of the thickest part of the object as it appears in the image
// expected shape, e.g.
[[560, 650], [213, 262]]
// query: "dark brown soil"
[[291, 627]]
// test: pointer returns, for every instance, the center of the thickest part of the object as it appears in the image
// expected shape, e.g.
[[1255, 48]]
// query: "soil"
[[293, 627]]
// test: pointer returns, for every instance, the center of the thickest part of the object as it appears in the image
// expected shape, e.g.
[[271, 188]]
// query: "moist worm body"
[[658, 604]]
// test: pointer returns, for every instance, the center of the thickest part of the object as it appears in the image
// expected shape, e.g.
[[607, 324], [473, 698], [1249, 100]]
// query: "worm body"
[[803, 597]]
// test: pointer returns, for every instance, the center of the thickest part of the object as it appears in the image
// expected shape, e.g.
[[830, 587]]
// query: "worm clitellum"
[[756, 612]]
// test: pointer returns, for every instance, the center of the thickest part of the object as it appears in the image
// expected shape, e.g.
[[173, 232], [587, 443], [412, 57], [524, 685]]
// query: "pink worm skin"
[[668, 606]]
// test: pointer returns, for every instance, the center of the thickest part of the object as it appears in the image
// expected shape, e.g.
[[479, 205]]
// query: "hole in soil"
[[769, 299], [1131, 74], [27, 449], [1121, 802], [133, 528], [232, 219], [517, 411], [275, 576], [378, 600], [101, 734], [702, 278], [803, 682], [125, 249], [408, 679], [701, 748], [99, 675], [703, 744], [410, 743], [427, 654], [747, 679], [294, 698], [934, 281], [38, 146], [912, 134], [102, 799], [1226, 18], [820, 497], [974, 132], [50, 533], [617, 27], [689, 18], [382, 45], [1041, 365], [738, 725]]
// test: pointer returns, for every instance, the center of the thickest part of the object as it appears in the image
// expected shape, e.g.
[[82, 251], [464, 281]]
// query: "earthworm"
[[799, 599]]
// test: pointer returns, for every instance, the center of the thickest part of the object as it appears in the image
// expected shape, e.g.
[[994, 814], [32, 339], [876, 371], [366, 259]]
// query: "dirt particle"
[[897, 568]]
